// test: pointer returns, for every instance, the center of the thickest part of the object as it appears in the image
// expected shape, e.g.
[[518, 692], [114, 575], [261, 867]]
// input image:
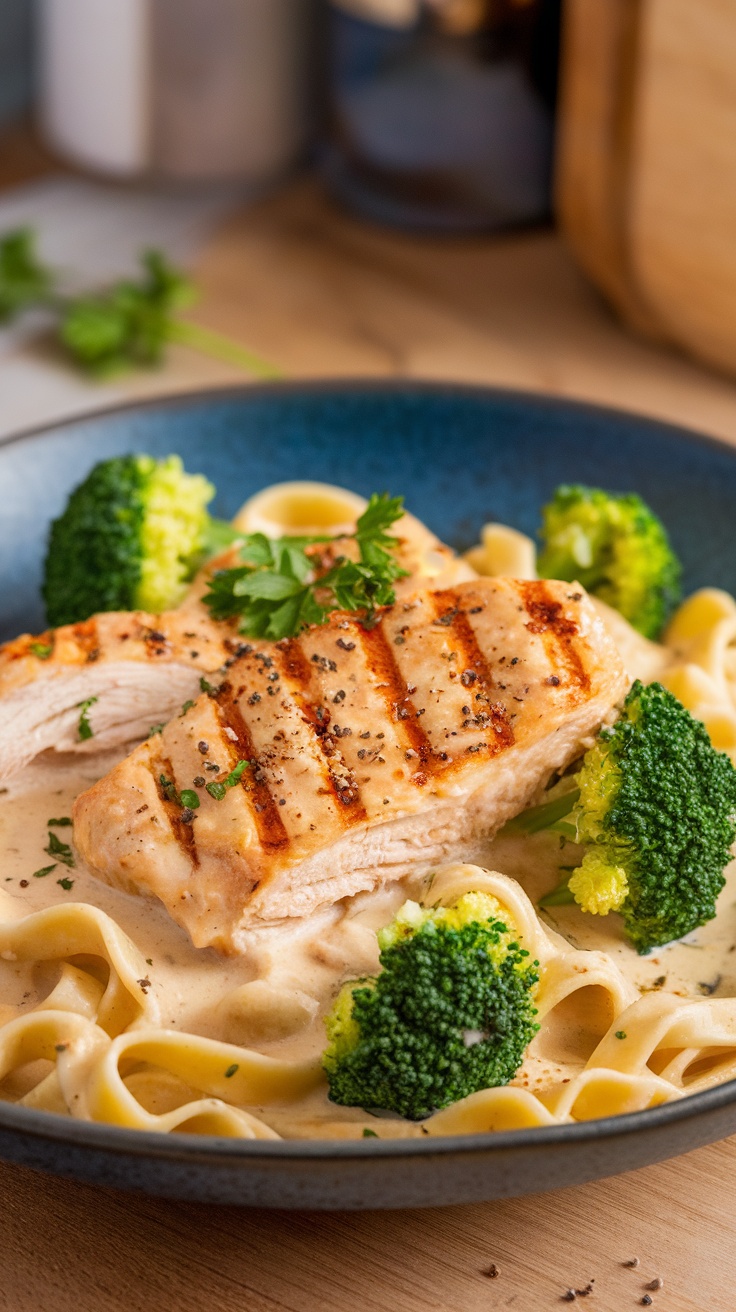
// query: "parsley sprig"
[[24, 282], [278, 590], [128, 325]]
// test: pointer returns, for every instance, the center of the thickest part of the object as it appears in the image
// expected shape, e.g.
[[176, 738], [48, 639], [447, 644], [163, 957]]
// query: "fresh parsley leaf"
[[168, 788], [61, 851], [278, 590], [133, 322], [231, 1070], [85, 729], [24, 282], [186, 707], [156, 728], [44, 871], [66, 883], [369, 1134], [41, 650], [62, 823], [219, 789], [129, 324], [189, 798], [207, 687]]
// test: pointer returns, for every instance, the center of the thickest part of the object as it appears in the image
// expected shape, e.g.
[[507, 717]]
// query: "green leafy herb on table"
[[279, 590], [24, 282], [128, 325]]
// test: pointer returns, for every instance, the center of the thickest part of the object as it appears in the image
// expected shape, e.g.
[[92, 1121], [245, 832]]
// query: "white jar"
[[185, 89]]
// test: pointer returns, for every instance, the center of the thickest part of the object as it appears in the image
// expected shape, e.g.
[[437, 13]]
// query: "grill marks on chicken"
[[369, 752]]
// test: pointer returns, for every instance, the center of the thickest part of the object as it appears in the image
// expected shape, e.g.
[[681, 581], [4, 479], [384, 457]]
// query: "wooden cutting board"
[[646, 178], [681, 210], [599, 61]]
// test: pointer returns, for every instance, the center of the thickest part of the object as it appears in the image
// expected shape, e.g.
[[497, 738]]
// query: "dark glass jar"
[[442, 111]]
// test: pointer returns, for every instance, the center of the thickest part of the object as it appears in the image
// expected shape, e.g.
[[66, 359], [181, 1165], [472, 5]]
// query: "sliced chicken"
[[141, 669], [136, 670], [369, 752]]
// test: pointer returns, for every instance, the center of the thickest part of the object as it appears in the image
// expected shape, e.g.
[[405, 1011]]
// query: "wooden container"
[[646, 175]]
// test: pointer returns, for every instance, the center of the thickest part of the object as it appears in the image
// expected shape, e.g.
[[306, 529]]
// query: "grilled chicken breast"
[[369, 753], [138, 670]]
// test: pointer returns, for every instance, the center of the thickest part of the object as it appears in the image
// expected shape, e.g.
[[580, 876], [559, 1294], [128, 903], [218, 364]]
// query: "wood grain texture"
[[681, 212], [595, 124], [324, 294], [70, 1248]]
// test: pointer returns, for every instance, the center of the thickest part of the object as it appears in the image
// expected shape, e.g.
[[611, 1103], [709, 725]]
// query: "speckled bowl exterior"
[[462, 456]]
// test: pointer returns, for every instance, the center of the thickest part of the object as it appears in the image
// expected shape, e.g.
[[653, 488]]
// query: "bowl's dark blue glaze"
[[462, 456]]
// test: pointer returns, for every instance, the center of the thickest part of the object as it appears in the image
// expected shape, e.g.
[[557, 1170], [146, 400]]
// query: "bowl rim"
[[220, 1150]]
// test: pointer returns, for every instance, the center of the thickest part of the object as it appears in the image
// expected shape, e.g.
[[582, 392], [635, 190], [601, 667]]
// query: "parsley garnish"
[[85, 728], [62, 823], [44, 871], [369, 1134], [231, 1071], [61, 851], [156, 728], [186, 707], [218, 790], [189, 799], [24, 282], [41, 650], [207, 687], [66, 883], [620, 1034], [276, 592]]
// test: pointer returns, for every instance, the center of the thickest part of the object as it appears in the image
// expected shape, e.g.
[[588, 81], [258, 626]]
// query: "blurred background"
[[533, 192]]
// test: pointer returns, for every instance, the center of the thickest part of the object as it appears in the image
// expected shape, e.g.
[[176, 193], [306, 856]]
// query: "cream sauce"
[[274, 998]]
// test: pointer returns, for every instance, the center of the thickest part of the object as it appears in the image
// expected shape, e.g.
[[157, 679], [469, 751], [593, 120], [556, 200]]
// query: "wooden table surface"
[[322, 294]]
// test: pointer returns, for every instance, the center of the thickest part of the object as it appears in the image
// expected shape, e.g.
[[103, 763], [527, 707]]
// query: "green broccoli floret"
[[129, 538], [451, 1012], [656, 805], [617, 548]]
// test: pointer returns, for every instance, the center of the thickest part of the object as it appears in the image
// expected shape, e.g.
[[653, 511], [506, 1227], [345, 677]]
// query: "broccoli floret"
[[656, 805], [617, 548], [129, 538], [451, 1012]]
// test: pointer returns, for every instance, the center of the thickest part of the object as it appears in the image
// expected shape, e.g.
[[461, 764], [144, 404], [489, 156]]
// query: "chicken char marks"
[[370, 752]]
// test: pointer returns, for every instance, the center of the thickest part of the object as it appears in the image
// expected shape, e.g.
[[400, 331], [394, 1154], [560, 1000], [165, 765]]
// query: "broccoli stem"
[[221, 348], [559, 896], [546, 816]]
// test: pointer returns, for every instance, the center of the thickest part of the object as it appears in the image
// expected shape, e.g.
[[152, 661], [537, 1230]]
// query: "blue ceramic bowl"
[[461, 456]]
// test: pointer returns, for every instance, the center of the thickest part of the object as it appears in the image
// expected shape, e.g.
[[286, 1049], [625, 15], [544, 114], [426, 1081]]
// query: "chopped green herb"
[[186, 707], [66, 883], [218, 790], [85, 728], [41, 650], [189, 798], [24, 282], [369, 1134], [168, 788], [207, 687], [156, 728], [277, 592], [44, 871], [61, 851], [149, 961], [231, 1071], [63, 822], [620, 1034]]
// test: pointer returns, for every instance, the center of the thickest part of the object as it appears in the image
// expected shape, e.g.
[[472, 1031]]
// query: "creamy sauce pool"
[[274, 998]]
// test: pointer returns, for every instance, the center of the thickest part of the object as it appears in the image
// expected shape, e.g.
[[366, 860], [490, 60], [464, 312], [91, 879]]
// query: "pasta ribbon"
[[225, 1073], [105, 977], [702, 642]]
